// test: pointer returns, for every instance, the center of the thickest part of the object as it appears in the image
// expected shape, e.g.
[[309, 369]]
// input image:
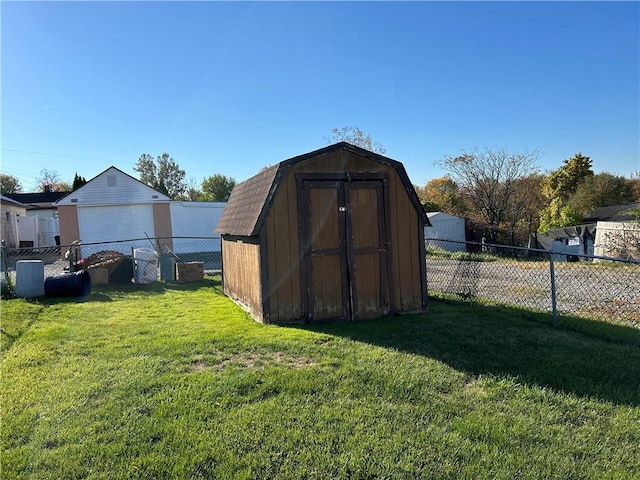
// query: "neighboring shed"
[[112, 207], [446, 232], [337, 233]]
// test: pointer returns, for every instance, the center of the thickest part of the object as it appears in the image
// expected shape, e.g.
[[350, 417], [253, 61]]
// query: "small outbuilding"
[[447, 232], [337, 233]]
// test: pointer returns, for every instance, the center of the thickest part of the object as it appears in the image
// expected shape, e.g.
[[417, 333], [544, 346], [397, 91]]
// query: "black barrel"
[[76, 284]]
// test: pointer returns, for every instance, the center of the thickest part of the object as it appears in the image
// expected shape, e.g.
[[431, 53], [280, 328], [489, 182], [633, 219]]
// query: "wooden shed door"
[[344, 248]]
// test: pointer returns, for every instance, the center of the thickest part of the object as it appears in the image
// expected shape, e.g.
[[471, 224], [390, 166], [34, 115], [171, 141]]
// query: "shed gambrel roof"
[[241, 215], [249, 201]]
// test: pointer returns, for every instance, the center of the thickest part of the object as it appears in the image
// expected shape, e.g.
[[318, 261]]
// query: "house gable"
[[112, 187]]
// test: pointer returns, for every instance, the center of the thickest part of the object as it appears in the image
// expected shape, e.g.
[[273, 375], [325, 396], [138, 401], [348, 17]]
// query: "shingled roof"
[[38, 199], [242, 212], [249, 201], [612, 213]]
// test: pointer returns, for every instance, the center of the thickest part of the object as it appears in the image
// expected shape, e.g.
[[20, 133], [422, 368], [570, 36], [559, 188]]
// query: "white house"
[[115, 210], [38, 226], [119, 212], [445, 227], [41, 204]]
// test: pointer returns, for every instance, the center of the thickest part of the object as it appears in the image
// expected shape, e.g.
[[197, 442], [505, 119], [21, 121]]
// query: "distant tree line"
[[502, 194], [164, 175], [505, 197]]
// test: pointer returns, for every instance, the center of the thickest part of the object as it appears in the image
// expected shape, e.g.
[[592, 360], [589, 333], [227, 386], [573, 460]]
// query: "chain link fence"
[[117, 259], [568, 288]]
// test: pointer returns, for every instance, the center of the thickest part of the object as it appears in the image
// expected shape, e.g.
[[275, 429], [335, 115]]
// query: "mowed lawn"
[[176, 381]]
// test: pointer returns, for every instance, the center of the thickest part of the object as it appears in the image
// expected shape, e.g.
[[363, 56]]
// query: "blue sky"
[[229, 87]]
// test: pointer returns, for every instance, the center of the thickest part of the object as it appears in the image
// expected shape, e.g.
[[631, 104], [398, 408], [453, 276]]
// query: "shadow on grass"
[[500, 341]]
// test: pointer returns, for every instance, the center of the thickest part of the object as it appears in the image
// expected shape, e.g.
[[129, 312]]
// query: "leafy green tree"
[[558, 214], [489, 180], [163, 174], [600, 190], [564, 181], [78, 181], [217, 188], [357, 137], [9, 184], [559, 187]]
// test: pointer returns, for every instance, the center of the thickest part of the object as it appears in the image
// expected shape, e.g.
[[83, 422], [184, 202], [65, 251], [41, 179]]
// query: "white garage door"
[[118, 228]]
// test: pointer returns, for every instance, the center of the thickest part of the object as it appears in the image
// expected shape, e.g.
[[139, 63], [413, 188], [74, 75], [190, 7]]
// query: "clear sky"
[[230, 87]]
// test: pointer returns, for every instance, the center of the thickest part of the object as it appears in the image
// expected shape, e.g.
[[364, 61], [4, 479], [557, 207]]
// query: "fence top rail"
[[142, 239], [539, 250]]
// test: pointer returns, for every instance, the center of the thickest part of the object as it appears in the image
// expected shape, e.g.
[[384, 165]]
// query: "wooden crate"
[[189, 272], [99, 275]]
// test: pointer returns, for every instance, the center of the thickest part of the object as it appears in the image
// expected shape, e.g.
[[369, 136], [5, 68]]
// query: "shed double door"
[[344, 241]]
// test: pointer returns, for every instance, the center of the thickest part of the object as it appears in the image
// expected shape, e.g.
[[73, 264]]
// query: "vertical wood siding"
[[283, 257], [241, 260]]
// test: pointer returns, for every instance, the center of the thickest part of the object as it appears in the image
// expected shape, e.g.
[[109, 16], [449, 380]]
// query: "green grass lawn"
[[176, 381]]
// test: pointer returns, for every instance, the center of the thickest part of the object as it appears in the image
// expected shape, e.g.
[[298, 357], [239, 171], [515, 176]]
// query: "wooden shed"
[[337, 233]]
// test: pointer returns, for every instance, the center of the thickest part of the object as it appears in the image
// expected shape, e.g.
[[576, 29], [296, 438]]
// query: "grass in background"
[[175, 381]]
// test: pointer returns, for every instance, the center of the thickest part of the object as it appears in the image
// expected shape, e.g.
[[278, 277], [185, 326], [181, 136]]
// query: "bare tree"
[[522, 215], [357, 137], [50, 181], [489, 179], [193, 192]]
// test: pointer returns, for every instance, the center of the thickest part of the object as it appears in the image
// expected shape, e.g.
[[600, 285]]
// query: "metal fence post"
[[554, 305]]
